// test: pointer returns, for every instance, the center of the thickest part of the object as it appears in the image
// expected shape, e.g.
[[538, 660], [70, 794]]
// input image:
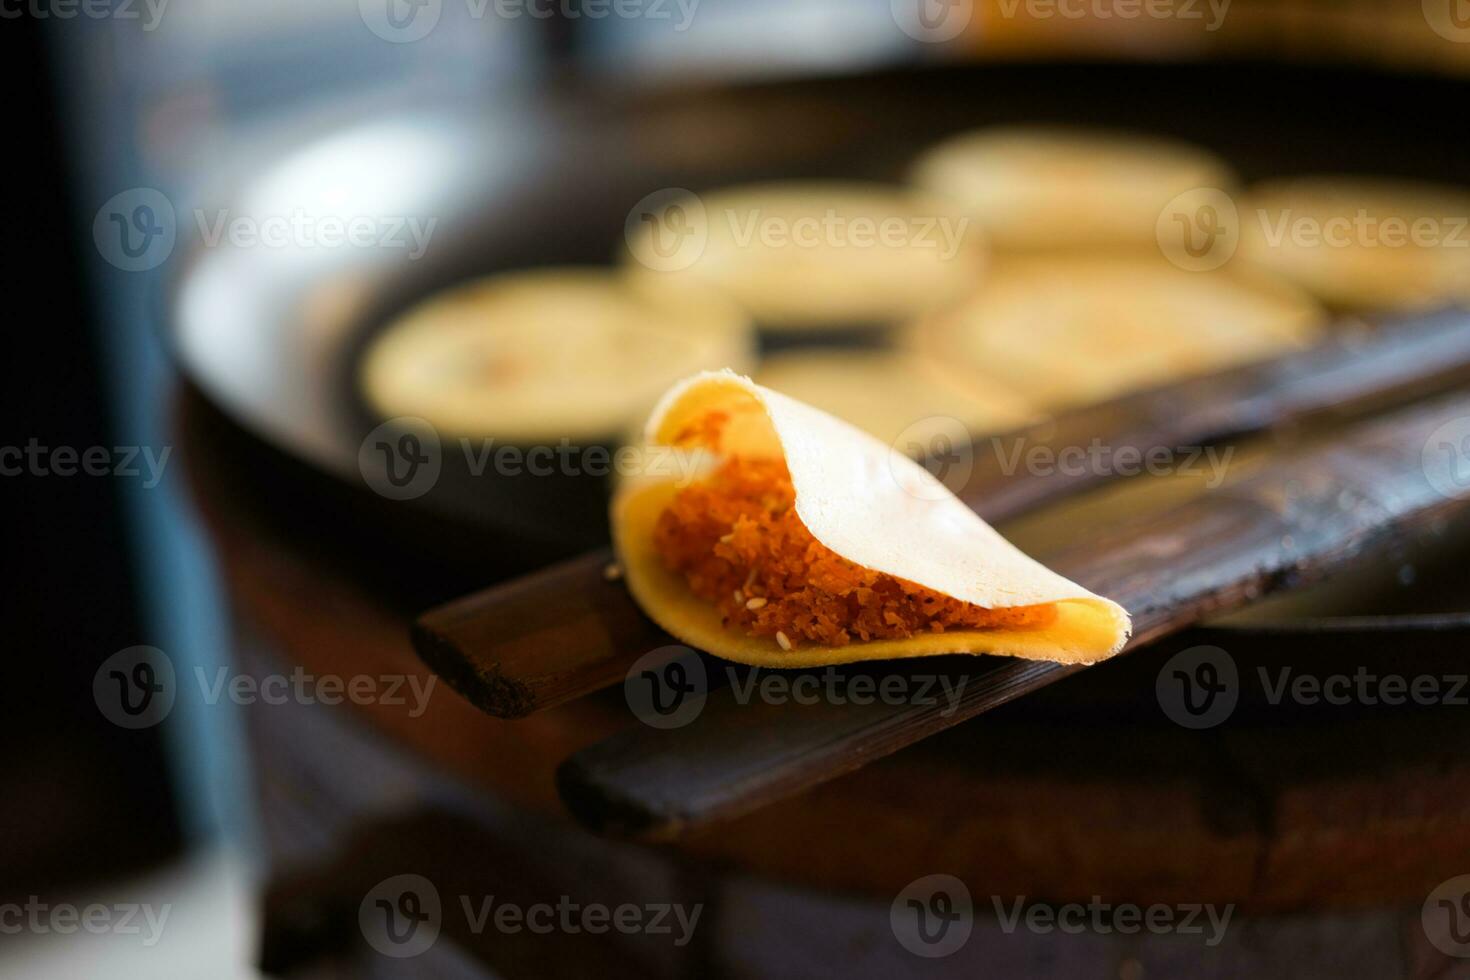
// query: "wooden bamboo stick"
[[1295, 521], [568, 630]]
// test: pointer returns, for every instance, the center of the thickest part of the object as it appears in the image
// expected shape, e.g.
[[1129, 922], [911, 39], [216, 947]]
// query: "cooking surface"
[[274, 338]]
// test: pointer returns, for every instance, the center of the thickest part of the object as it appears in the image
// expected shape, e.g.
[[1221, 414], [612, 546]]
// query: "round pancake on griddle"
[[892, 395], [811, 256], [1360, 243], [547, 354], [1067, 330], [1037, 187]]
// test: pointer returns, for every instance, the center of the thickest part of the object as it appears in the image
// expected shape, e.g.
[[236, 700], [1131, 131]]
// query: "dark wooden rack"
[[566, 631]]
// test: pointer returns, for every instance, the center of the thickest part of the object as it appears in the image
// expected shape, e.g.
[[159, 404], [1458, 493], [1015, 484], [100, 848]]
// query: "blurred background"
[[189, 303]]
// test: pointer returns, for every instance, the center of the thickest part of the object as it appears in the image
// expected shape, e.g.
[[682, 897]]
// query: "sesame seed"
[[612, 572], [755, 603], [726, 539], [782, 640], [739, 597]]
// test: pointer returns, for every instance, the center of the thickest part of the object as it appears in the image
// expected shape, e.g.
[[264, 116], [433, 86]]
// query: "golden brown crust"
[[739, 543]]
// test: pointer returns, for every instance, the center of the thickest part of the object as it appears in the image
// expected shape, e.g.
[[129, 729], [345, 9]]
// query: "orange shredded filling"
[[736, 539]]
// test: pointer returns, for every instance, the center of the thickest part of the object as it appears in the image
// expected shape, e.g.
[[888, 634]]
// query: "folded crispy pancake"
[[804, 542]]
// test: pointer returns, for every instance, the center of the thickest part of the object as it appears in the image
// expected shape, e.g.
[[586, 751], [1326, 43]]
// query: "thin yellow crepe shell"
[[872, 506]]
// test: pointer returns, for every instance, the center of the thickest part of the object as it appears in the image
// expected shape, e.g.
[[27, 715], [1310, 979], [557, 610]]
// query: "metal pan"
[[272, 336]]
